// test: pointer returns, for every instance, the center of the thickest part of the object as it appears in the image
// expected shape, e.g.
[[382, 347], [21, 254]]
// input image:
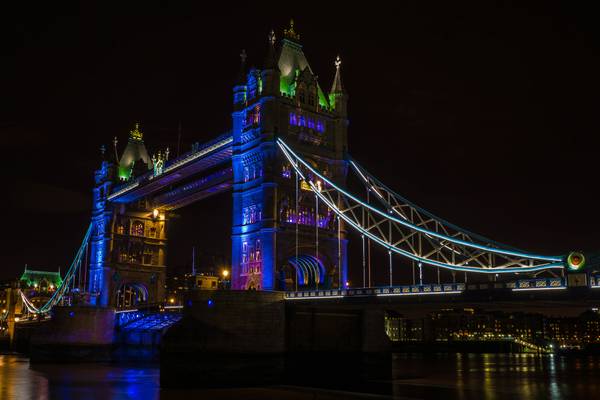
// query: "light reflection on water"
[[447, 376], [496, 376]]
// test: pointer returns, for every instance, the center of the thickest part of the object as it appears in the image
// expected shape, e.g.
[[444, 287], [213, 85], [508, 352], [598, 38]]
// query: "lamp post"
[[225, 279]]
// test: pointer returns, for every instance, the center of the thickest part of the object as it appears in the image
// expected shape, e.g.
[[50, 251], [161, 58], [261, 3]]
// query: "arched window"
[[137, 228]]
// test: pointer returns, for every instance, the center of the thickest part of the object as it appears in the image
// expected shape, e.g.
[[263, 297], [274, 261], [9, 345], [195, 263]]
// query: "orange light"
[[171, 300]]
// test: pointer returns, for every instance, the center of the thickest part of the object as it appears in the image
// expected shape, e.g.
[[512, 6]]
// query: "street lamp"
[[225, 273]]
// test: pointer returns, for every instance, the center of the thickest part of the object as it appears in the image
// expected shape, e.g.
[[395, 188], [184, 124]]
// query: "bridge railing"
[[430, 289], [197, 152], [409, 290]]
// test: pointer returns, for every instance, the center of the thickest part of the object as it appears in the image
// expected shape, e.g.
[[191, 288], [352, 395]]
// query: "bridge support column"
[[226, 338], [83, 334]]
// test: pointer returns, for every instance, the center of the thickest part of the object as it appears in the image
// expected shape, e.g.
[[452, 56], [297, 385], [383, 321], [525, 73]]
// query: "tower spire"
[[270, 60], [337, 87]]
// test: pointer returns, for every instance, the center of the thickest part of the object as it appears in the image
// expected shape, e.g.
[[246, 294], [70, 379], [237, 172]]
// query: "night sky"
[[484, 115]]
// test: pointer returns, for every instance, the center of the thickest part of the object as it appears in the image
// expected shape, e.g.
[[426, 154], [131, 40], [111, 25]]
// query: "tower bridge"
[[286, 161]]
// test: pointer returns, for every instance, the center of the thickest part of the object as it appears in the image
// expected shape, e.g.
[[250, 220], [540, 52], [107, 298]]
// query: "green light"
[[124, 173], [575, 261], [322, 99]]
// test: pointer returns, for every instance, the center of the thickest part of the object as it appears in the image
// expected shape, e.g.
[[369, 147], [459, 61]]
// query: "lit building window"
[[137, 228], [307, 122], [286, 171], [251, 214]]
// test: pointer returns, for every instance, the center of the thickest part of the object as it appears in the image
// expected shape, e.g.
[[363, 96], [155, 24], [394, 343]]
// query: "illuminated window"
[[307, 122], [252, 117], [293, 119], [137, 228]]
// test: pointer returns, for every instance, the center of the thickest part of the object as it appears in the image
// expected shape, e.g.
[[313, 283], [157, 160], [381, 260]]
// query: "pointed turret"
[[337, 87], [292, 64], [135, 157], [270, 74], [337, 96], [270, 60]]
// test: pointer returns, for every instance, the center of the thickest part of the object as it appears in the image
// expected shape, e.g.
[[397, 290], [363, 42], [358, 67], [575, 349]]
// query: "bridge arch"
[[131, 294], [306, 270]]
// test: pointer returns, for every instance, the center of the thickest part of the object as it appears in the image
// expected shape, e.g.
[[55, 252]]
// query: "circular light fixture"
[[575, 261]]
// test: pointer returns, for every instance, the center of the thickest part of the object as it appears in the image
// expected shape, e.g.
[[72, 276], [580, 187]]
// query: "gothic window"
[[286, 170], [256, 116], [137, 229], [251, 214], [258, 251], [120, 229], [307, 122], [311, 100], [147, 255], [252, 117], [246, 174], [301, 96]]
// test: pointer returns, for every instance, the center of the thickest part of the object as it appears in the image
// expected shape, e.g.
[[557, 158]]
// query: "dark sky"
[[484, 114]]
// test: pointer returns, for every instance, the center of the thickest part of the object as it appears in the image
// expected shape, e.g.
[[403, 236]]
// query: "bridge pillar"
[[284, 100], [75, 334], [226, 338]]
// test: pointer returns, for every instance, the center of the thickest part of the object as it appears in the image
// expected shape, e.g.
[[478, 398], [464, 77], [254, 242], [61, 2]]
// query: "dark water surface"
[[444, 376]]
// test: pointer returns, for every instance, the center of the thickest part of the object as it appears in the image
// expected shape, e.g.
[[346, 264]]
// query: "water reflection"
[[447, 376], [496, 376]]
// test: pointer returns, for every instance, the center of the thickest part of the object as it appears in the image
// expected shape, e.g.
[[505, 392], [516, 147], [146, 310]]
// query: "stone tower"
[[275, 216], [128, 242]]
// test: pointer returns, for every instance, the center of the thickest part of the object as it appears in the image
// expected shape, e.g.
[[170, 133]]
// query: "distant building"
[[39, 285], [207, 282], [41, 280]]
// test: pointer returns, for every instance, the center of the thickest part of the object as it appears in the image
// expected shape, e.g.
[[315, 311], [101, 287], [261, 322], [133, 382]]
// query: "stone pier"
[[82, 334], [235, 338]]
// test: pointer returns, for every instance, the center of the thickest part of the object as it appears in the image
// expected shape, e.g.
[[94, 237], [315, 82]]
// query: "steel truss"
[[410, 231]]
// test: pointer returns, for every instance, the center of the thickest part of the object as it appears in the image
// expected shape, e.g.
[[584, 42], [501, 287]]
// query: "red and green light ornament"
[[575, 261]]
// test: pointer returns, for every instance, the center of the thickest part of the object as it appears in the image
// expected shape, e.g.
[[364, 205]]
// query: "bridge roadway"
[[549, 296]]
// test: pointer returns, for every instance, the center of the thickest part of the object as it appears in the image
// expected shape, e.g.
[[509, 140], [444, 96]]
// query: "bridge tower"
[[281, 238], [128, 241]]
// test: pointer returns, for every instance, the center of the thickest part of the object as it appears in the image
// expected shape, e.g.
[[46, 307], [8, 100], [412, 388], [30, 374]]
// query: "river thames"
[[447, 376]]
